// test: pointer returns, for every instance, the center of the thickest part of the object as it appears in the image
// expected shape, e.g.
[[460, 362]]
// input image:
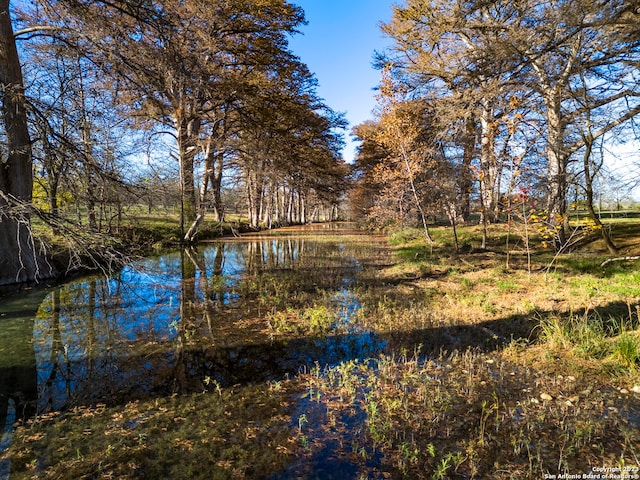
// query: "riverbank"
[[434, 365], [525, 371], [79, 251]]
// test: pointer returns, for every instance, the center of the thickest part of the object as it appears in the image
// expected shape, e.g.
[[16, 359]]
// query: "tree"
[[20, 259], [551, 47], [439, 57], [79, 133], [487, 54], [180, 64], [370, 153], [288, 149], [398, 133]]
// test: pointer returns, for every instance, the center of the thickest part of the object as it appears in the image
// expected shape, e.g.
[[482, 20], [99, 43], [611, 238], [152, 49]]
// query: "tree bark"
[[216, 186], [466, 179], [488, 164], [557, 176], [187, 132], [254, 194], [19, 259]]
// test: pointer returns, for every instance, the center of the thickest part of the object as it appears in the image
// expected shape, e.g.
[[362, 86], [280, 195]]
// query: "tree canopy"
[[198, 105], [517, 91], [104, 81]]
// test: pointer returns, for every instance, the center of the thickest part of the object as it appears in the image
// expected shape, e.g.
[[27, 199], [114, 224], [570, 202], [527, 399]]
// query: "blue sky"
[[338, 46]]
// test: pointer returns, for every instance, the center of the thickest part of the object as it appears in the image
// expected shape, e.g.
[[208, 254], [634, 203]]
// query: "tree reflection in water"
[[173, 323], [18, 373]]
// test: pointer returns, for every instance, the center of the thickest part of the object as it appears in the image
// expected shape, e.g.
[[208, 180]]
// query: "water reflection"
[[174, 323]]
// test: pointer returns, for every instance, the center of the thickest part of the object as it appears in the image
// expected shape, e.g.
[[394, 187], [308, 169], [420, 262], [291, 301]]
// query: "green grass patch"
[[400, 237], [614, 340], [315, 320]]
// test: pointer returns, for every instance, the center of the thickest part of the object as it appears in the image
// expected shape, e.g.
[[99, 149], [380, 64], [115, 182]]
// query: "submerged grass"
[[229, 433], [466, 415]]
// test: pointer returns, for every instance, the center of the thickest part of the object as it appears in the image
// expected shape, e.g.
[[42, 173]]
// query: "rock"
[[546, 397], [636, 389], [624, 391]]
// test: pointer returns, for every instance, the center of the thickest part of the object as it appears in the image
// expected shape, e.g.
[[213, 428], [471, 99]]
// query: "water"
[[174, 323]]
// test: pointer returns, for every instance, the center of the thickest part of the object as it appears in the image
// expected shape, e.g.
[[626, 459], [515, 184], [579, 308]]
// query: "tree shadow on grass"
[[197, 367]]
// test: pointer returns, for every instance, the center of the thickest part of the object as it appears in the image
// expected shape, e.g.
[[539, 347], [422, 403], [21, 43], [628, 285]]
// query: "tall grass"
[[613, 339]]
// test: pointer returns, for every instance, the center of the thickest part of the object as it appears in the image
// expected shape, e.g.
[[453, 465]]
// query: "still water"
[[178, 322]]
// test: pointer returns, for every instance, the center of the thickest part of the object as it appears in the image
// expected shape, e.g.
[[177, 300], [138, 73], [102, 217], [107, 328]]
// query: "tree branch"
[[619, 259]]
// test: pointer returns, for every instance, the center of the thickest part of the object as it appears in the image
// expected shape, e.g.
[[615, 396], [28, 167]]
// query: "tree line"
[[496, 104], [109, 103], [495, 107]]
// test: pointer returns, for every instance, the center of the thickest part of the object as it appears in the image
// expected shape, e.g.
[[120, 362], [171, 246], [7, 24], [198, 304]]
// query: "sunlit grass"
[[315, 320], [615, 341]]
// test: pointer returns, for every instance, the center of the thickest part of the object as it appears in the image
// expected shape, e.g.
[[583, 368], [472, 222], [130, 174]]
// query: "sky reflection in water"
[[165, 324]]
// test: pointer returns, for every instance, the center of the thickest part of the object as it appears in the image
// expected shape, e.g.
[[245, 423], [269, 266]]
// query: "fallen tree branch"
[[86, 250], [619, 259]]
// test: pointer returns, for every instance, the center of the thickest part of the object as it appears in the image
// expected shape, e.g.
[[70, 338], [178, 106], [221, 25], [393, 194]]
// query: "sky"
[[338, 46]]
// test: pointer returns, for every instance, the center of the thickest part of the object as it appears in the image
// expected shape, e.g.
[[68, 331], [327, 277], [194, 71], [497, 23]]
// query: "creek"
[[179, 322]]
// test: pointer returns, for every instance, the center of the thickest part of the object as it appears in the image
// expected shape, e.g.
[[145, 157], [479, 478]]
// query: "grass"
[[490, 371], [315, 320], [465, 415], [556, 395], [615, 340]]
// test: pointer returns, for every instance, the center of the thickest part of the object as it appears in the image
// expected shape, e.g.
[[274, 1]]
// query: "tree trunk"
[[187, 131], [466, 180], [488, 165], [452, 213], [290, 207], [89, 161], [54, 183], [557, 176], [207, 177], [588, 181], [216, 185], [19, 259], [253, 199], [302, 206]]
